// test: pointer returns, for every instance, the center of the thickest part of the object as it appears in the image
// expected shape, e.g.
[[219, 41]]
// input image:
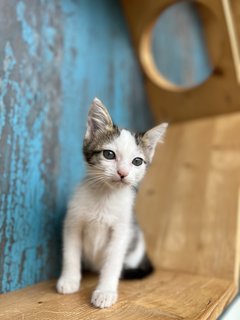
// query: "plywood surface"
[[191, 192], [164, 296]]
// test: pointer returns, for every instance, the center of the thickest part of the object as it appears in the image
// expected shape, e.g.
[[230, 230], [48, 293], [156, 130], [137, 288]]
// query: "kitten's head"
[[117, 157]]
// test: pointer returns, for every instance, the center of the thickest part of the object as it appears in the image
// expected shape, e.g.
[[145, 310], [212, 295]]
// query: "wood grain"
[[192, 195], [164, 296], [191, 192]]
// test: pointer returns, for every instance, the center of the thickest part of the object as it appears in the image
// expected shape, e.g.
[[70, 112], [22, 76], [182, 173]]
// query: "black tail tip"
[[144, 269]]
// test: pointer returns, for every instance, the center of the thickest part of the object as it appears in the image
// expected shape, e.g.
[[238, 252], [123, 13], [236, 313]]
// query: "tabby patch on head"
[[116, 156]]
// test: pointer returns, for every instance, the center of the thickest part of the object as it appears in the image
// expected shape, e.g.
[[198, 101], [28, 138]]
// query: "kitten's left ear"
[[154, 136], [99, 119]]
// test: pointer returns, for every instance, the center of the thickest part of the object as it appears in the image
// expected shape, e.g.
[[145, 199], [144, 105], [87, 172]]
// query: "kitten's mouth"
[[121, 182]]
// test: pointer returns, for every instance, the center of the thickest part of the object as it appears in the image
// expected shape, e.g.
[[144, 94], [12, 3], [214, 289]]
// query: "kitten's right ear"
[[99, 119], [154, 136]]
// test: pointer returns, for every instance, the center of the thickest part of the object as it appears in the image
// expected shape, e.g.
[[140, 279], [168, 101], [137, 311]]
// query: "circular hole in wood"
[[182, 47]]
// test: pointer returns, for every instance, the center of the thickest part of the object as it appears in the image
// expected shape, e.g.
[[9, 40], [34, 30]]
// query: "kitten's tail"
[[144, 269]]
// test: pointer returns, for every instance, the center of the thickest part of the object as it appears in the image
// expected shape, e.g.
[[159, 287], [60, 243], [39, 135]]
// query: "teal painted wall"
[[55, 56]]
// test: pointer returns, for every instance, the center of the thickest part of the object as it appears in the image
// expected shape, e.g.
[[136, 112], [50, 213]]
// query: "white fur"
[[97, 227], [132, 260], [97, 223]]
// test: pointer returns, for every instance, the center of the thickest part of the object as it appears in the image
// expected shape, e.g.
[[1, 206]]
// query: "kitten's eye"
[[109, 154], [137, 161]]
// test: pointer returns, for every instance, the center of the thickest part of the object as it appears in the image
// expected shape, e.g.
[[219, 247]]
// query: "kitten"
[[100, 229]]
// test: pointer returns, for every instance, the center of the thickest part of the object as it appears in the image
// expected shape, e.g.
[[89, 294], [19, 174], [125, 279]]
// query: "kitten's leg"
[[106, 292], [136, 263], [69, 281]]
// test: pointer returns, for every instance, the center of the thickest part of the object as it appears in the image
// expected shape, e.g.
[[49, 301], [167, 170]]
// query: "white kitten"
[[100, 229]]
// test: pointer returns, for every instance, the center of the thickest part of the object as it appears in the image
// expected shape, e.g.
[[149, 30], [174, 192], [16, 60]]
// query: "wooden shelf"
[[164, 296]]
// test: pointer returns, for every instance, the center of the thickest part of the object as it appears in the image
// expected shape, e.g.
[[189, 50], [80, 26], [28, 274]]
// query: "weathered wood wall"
[[55, 56]]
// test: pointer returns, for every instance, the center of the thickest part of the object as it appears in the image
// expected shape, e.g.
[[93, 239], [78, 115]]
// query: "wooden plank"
[[166, 296], [192, 195], [191, 192]]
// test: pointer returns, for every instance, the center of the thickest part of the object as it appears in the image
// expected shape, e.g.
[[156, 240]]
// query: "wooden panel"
[[55, 57], [191, 192], [220, 93], [166, 296]]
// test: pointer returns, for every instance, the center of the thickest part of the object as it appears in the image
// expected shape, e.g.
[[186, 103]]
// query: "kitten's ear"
[[154, 136], [99, 119]]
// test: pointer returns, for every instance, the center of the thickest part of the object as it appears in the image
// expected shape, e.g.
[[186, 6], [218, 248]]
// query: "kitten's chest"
[[96, 236], [108, 209], [101, 213], [101, 218]]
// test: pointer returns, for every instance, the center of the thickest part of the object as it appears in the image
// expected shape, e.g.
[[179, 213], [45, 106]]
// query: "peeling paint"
[[9, 62], [23, 188], [55, 60], [29, 35]]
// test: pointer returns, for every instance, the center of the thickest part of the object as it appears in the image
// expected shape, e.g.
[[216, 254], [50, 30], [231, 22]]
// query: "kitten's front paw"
[[103, 299], [66, 285]]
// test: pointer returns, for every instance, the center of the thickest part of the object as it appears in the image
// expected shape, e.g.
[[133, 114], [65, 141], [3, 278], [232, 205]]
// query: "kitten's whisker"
[[96, 180]]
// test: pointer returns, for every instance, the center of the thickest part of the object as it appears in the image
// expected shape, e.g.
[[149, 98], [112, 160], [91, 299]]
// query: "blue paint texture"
[[29, 35], [56, 56]]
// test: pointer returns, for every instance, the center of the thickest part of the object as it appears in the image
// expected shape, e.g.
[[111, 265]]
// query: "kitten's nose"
[[122, 173]]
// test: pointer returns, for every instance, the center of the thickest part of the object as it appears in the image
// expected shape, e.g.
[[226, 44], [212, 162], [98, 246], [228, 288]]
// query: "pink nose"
[[122, 173]]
